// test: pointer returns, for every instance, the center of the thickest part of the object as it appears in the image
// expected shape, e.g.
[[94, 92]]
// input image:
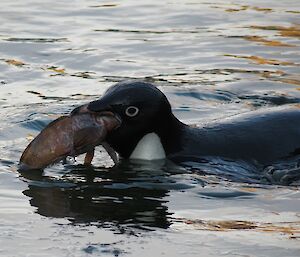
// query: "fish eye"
[[131, 111]]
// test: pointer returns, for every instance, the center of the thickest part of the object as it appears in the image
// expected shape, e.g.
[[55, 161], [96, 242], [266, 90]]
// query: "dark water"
[[213, 59]]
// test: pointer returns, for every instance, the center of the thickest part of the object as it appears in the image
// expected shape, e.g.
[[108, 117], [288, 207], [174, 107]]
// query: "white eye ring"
[[131, 111]]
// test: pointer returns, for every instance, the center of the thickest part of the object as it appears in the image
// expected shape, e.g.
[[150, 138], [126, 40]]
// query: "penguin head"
[[142, 109]]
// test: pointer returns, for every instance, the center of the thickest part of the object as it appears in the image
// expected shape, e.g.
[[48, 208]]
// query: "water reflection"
[[213, 59], [130, 195]]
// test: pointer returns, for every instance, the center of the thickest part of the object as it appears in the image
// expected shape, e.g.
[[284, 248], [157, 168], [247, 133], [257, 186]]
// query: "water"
[[212, 59]]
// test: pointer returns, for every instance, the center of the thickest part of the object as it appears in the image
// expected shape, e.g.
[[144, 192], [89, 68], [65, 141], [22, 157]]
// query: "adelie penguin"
[[149, 130]]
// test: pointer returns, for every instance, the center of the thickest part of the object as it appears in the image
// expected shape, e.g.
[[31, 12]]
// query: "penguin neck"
[[149, 148], [171, 133], [163, 141]]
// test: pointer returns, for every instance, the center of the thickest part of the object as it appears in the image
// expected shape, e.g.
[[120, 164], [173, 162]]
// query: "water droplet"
[[70, 160]]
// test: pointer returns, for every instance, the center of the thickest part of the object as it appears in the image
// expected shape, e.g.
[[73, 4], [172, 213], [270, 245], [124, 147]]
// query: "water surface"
[[213, 59]]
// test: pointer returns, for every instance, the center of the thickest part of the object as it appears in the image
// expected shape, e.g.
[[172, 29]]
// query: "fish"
[[69, 136]]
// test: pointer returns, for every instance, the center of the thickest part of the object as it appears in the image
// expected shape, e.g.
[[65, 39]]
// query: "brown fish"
[[69, 136]]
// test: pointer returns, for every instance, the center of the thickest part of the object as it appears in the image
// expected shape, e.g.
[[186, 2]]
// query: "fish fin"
[[113, 155]]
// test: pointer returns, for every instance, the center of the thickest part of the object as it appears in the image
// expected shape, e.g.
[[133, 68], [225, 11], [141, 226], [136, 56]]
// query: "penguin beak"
[[80, 109], [96, 107], [100, 105]]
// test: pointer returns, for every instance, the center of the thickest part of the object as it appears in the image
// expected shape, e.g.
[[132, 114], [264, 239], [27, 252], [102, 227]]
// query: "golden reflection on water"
[[287, 228], [15, 62], [292, 31], [295, 80], [262, 60], [56, 69], [267, 42], [231, 55], [235, 8]]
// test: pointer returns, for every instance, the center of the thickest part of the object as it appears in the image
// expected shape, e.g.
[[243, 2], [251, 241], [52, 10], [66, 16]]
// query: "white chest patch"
[[149, 148]]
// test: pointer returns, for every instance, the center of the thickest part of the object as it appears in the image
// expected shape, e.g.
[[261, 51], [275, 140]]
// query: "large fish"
[[69, 136]]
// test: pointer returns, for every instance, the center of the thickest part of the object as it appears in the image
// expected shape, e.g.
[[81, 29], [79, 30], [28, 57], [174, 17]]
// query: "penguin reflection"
[[131, 195]]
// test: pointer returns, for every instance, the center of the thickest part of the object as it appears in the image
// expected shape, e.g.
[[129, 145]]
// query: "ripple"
[[213, 60], [36, 40], [36, 124], [226, 194], [143, 31], [269, 99], [103, 5], [104, 249]]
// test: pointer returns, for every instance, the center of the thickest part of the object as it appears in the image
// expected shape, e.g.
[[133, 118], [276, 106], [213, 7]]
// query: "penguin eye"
[[131, 111]]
